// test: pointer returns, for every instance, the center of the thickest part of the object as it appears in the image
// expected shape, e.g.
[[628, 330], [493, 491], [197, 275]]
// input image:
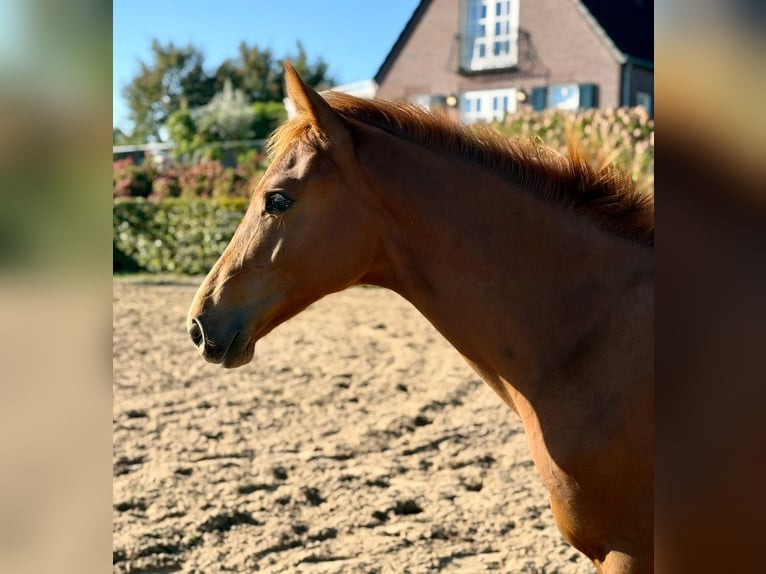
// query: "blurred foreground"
[[711, 277]]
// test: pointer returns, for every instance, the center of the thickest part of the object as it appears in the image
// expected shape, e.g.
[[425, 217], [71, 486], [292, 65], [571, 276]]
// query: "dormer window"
[[489, 33]]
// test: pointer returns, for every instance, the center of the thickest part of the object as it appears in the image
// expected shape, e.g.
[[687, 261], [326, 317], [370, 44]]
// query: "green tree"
[[175, 77], [183, 131], [174, 91], [260, 75], [118, 136], [268, 116], [255, 71], [226, 117]]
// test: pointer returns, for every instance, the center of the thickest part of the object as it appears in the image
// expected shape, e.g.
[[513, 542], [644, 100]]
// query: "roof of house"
[[629, 24]]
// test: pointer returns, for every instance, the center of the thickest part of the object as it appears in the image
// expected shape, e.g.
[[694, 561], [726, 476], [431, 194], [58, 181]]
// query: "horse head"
[[305, 234]]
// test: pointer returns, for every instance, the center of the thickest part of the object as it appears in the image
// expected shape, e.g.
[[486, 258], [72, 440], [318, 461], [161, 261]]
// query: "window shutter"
[[588, 96], [539, 97]]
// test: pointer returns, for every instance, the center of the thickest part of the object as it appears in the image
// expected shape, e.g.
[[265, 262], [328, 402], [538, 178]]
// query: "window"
[[489, 34], [564, 97], [487, 105]]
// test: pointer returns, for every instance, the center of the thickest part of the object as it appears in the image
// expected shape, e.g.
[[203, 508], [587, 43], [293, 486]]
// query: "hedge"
[[175, 235], [201, 180]]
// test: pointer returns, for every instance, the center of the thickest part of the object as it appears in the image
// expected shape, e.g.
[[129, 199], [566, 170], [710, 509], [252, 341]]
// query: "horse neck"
[[511, 280]]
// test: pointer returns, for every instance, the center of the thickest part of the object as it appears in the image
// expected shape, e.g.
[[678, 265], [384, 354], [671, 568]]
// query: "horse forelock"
[[288, 134], [607, 196]]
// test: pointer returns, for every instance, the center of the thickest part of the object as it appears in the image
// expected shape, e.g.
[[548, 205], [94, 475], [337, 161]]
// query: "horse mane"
[[606, 196]]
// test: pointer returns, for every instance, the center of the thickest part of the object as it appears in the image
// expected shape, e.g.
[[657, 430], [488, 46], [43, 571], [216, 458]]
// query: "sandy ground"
[[356, 441]]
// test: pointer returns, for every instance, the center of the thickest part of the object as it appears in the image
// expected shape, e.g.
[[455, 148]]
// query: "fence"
[[162, 153]]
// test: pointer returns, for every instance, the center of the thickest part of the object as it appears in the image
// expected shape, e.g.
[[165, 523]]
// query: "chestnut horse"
[[537, 268]]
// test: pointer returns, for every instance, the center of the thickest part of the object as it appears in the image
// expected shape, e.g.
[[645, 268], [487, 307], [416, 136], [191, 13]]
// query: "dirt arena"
[[356, 441]]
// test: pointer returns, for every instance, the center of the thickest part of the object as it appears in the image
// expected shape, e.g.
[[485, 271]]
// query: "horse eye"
[[277, 203]]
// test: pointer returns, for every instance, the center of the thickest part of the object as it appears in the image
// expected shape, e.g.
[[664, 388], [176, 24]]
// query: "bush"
[[198, 180], [122, 263], [203, 180], [212, 179], [166, 184], [175, 235], [131, 180]]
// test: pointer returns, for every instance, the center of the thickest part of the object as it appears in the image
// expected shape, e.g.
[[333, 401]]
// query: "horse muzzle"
[[232, 350]]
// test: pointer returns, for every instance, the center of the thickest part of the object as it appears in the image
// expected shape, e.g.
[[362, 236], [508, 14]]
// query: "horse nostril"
[[195, 331]]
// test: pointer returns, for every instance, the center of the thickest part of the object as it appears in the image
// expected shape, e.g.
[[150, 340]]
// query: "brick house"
[[482, 58]]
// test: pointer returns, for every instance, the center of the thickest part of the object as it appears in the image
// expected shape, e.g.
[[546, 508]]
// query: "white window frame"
[[487, 105], [490, 30]]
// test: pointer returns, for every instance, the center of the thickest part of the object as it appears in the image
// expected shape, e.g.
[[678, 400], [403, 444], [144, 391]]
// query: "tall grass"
[[623, 137]]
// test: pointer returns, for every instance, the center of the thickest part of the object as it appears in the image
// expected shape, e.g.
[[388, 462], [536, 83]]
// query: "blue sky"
[[353, 36]]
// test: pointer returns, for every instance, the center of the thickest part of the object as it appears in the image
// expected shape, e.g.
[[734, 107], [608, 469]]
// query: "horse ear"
[[308, 101]]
